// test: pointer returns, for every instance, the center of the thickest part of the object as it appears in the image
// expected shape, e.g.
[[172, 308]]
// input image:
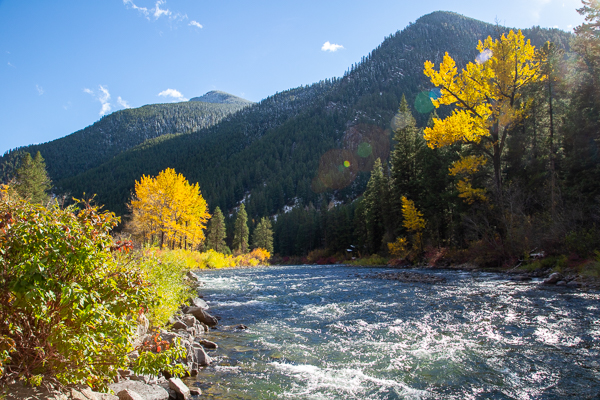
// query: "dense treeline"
[[543, 196]]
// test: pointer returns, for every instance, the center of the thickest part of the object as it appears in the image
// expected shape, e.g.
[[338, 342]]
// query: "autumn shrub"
[[213, 259], [436, 256], [317, 254], [254, 258], [398, 248], [68, 308], [165, 272]]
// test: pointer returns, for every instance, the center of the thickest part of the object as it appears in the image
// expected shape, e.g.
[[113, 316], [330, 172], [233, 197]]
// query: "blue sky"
[[65, 63]]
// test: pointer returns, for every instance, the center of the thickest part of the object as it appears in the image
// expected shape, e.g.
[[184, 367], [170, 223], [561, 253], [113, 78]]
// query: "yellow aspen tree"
[[488, 95], [168, 209], [413, 221]]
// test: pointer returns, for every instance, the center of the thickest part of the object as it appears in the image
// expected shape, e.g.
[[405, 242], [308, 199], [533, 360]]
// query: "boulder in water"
[[553, 279], [202, 316]]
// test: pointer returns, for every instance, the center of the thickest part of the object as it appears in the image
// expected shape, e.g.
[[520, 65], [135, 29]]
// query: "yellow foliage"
[[413, 221], [413, 218], [168, 210], [460, 126], [486, 91], [488, 95], [469, 193], [255, 257], [467, 165], [398, 248]]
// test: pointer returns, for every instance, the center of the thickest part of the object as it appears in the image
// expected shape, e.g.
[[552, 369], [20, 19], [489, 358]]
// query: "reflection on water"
[[320, 332]]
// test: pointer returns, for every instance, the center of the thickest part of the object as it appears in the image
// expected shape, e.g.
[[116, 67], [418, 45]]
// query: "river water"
[[326, 332]]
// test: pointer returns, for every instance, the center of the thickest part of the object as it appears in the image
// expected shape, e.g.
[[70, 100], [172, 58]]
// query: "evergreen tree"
[[405, 160], [263, 235], [375, 199], [216, 232], [32, 181], [240, 231]]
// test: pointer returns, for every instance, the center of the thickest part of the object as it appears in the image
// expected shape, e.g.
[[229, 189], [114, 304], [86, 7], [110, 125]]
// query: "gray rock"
[[106, 396], [148, 392], [84, 394], [207, 344], [127, 394], [195, 391], [183, 392], [201, 357], [179, 325], [193, 277], [553, 279], [561, 283], [202, 316], [198, 302], [190, 320], [573, 284]]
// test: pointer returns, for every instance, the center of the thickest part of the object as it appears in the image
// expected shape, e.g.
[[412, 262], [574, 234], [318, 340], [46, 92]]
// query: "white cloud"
[[158, 12], [123, 103], [331, 47], [103, 97], [483, 56], [195, 23], [175, 94], [39, 89], [10, 65], [143, 10]]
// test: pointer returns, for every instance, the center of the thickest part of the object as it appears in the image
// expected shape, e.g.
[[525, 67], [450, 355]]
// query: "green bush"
[[165, 271], [68, 308]]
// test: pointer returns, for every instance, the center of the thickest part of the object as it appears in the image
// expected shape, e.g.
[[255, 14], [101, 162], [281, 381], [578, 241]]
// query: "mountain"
[[122, 130], [218, 97], [312, 144]]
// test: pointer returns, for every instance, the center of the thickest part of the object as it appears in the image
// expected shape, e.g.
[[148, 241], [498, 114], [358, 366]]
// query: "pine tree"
[[32, 181], [240, 231], [263, 235], [217, 233], [375, 199], [405, 160]]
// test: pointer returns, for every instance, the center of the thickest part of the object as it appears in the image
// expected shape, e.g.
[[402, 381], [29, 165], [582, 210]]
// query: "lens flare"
[[364, 150], [423, 103], [337, 169]]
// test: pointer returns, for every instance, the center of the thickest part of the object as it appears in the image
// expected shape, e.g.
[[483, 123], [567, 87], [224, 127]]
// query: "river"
[[326, 332]]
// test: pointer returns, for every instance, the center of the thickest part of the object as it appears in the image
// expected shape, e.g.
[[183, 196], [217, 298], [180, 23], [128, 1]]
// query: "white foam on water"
[[239, 303], [333, 310], [311, 381]]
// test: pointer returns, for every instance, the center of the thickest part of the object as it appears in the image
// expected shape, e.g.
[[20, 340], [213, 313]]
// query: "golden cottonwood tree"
[[488, 95], [167, 209], [413, 221]]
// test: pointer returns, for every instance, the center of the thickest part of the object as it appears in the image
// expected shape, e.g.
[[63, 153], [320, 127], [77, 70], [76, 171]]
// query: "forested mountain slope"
[[292, 147], [217, 96], [120, 131]]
